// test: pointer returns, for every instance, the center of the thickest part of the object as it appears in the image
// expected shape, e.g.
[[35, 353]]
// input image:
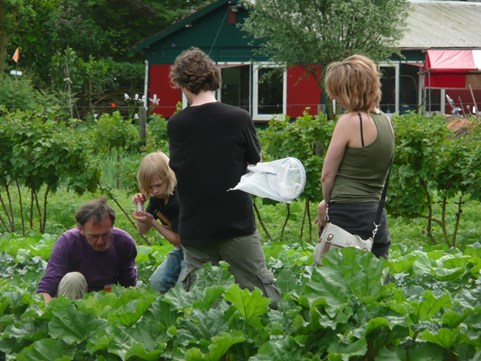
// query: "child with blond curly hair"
[[157, 186]]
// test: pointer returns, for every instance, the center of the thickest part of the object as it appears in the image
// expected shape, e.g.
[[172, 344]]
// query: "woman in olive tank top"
[[359, 154]]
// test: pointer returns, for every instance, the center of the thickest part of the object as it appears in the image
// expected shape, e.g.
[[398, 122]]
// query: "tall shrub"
[[433, 169], [305, 138], [41, 155]]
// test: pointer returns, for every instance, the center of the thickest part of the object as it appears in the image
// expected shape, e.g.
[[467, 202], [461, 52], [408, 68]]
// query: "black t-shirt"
[[168, 213], [210, 148]]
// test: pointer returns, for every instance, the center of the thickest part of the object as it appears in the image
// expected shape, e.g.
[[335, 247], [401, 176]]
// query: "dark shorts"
[[359, 219]]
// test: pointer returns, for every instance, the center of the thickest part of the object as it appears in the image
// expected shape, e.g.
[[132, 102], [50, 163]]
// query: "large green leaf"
[[346, 274], [121, 343], [47, 349], [249, 304], [285, 348], [217, 349], [432, 305], [72, 325], [202, 325], [444, 337]]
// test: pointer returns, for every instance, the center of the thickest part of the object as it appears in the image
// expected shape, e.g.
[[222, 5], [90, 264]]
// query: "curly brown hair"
[[356, 81], [195, 71]]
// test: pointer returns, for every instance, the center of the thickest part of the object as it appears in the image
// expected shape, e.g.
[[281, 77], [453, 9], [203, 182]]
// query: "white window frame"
[[397, 76], [226, 64], [255, 90], [217, 93]]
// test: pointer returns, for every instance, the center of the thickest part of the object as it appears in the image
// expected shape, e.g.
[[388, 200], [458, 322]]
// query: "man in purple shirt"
[[91, 257]]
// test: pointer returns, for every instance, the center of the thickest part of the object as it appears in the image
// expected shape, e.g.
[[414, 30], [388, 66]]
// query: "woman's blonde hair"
[[356, 82], [155, 164]]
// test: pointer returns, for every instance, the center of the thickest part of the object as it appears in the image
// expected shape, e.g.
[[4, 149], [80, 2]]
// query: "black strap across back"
[[360, 125]]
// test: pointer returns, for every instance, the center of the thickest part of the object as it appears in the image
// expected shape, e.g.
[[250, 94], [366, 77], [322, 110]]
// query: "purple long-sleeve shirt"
[[73, 253]]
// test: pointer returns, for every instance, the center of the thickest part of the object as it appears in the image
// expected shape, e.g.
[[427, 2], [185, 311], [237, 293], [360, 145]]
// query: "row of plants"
[[434, 173], [342, 311], [434, 170], [40, 155]]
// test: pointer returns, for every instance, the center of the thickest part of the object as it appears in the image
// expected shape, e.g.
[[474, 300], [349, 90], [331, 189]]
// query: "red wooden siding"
[[160, 85], [302, 91]]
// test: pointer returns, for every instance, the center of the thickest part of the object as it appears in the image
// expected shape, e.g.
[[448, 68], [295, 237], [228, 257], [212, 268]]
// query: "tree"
[[15, 15], [88, 42], [313, 32]]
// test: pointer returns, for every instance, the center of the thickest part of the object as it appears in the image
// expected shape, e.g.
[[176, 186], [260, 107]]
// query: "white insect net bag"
[[281, 180]]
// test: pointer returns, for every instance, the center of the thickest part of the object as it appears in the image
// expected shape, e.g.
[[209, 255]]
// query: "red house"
[[409, 82], [249, 81]]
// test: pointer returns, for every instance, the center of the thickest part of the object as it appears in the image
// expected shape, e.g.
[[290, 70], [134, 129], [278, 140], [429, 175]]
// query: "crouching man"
[[91, 257]]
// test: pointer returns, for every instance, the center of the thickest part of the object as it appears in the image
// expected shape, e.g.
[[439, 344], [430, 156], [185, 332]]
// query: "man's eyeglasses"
[[96, 237]]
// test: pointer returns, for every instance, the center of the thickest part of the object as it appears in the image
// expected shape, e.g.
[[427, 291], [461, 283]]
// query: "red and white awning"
[[456, 69]]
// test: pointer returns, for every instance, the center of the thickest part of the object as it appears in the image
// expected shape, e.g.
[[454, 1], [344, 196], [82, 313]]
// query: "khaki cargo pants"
[[72, 285], [245, 257]]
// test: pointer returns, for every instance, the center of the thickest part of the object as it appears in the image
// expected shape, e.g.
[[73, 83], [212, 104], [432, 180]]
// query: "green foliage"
[[309, 32], [343, 310], [120, 172], [41, 154], [305, 138], [17, 93], [431, 167], [88, 42], [157, 134], [112, 132], [418, 144], [91, 78]]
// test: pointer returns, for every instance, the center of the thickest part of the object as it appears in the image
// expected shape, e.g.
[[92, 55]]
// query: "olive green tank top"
[[362, 172]]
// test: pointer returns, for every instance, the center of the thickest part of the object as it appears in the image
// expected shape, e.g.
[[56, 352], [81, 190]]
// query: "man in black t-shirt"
[[211, 144]]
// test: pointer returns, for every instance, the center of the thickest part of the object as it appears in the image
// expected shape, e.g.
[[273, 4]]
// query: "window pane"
[[235, 86], [433, 100], [270, 92], [408, 96], [388, 83]]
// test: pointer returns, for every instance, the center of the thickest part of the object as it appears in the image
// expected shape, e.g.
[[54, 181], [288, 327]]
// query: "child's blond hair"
[[155, 164]]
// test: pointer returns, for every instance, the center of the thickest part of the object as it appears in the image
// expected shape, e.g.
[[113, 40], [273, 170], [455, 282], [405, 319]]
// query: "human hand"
[[46, 297], [143, 217], [139, 200], [321, 220]]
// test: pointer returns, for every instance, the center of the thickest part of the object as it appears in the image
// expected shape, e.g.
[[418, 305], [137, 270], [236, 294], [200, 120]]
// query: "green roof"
[[207, 29]]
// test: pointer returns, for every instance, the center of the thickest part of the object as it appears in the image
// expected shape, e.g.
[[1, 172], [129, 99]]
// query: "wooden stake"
[[462, 106], [474, 101]]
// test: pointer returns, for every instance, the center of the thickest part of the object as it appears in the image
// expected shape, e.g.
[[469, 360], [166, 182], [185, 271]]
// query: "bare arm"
[[168, 234], [145, 221], [339, 141], [335, 152]]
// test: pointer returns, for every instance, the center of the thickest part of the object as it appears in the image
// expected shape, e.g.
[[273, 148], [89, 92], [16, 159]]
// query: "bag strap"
[[360, 126], [382, 201], [163, 219]]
